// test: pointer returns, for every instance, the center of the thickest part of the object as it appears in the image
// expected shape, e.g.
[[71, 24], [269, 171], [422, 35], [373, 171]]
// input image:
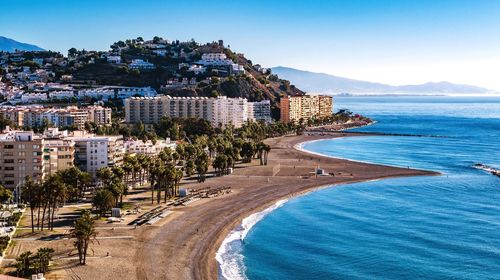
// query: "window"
[[22, 154]]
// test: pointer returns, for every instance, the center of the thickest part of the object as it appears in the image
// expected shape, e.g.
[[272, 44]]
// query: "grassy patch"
[[127, 206]]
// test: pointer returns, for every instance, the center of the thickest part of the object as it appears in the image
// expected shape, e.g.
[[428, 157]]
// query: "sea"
[[431, 227]]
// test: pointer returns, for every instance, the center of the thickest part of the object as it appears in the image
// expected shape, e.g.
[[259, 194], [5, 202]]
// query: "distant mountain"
[[9, 45], [325, 83]]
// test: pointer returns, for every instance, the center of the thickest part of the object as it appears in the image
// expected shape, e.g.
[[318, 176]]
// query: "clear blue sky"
[[391, 41]]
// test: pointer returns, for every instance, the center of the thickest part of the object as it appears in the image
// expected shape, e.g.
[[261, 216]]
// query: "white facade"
[[134, 91], [148, 148], [98, 93], [141, 64], [219, 111], [197, 69], [160, 52], [259, 111], [94, 152], [66, 94], [28, 97], [215, 59], [116, 59]]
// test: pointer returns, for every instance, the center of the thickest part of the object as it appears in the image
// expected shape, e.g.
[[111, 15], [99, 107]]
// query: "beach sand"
[[185, 247]]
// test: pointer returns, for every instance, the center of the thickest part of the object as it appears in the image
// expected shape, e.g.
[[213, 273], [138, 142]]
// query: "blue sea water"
[[442, 227]]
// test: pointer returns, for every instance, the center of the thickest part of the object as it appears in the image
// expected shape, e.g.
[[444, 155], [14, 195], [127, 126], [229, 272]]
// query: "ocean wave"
[[229, 256]]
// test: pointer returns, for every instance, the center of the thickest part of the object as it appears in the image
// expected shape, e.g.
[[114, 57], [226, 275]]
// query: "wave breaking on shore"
[[229, 256]]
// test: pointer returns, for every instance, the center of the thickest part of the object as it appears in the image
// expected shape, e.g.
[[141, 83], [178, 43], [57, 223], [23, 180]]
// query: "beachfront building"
[[260, 111], [93, 152], [137, 146], [227, 111], [21, 154], [219, 111], [305, 107]]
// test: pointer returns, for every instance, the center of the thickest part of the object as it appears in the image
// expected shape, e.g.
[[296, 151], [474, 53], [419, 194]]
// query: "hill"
[[325, 83], [9, 45], [171, 71]]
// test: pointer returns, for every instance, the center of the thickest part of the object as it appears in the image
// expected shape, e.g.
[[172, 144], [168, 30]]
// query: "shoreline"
[[186, 247], [274, 205]]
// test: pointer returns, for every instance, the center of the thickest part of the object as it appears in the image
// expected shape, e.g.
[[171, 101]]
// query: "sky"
[[389, 41]]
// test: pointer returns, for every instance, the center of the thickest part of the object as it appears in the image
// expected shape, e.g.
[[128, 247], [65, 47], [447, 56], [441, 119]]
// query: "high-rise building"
[[58, 150], [93, 152], [260, 111], [21, 154], [305, 107], [219, 111]]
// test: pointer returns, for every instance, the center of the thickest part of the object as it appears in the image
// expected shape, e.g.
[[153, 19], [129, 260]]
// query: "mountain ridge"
[[326, 83], [11, 45]]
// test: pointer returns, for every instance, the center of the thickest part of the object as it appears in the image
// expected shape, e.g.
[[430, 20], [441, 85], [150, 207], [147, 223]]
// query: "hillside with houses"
[[138, 67]]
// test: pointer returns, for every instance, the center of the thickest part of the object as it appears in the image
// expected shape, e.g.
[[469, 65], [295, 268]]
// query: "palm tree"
[[23, 263], [267, 149], [84, 233], [103, 201], [29, 193], [105, 175], [202, 162], [44, 256]]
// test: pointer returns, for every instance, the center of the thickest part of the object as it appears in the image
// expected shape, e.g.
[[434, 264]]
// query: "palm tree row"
[[28, 263], [44, 198]]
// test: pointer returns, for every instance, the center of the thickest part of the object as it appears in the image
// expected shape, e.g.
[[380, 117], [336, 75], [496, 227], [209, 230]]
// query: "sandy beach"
[[185, 247]]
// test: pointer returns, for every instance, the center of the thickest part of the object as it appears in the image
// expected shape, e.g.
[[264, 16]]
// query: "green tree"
[[23, 264], [103, 201], [84, 233], [30, 194], [6, 195]]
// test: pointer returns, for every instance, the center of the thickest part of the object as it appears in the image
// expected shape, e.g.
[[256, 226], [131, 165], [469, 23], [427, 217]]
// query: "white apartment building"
[[219, 111], [93, 152], [215, 59], [98, 93], [148, 148], [141, 64], [31, 116], [260, 111], [63, 94], [99, 115], [127, 92], [115, 59], [29, 97], [229, 111]]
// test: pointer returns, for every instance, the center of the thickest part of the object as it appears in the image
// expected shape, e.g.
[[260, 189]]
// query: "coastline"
[[267, 209], [188, 254]]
